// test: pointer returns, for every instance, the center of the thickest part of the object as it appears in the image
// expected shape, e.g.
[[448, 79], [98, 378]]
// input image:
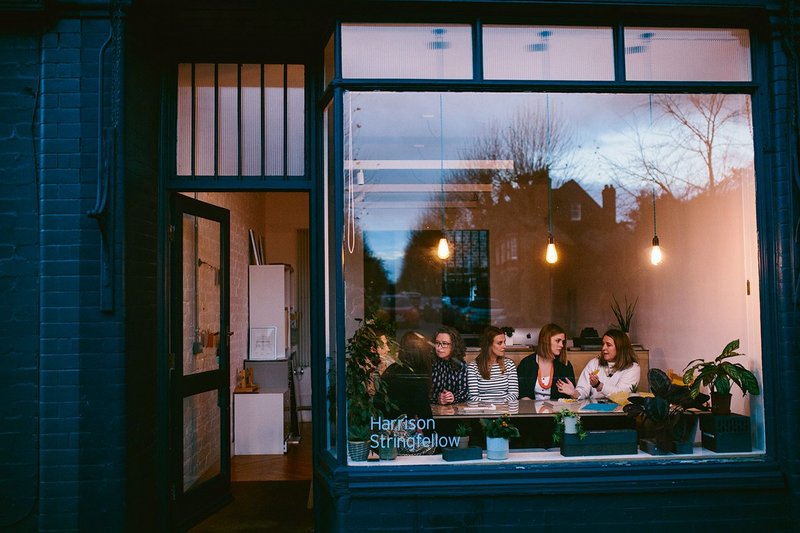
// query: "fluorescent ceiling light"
[[430, 164]]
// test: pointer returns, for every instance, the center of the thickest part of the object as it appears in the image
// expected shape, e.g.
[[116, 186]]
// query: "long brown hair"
[[543, 344], [415, 352], [486, 346], [457, 347], [625, 354]]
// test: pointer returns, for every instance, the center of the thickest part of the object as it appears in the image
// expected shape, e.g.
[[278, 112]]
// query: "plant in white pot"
[[498, 431], [462, 432], [567, 422], [719, 375]]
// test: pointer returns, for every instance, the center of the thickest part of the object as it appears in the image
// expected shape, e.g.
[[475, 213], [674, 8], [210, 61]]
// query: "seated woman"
[[491, 377], [614, 370], [449, 371], [408, 381], [541, 372]]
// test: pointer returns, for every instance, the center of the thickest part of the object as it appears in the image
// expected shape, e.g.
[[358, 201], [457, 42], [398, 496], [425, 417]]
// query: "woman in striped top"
[[492, 377]]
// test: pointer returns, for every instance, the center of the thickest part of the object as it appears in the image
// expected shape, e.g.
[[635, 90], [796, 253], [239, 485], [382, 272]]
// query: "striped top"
[[500, 387]]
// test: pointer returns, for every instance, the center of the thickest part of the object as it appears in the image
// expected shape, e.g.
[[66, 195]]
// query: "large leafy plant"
[[366, 392], [719, 375], [667, 410]]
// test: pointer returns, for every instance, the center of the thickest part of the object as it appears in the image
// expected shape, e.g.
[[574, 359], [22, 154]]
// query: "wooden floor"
[[294, 465]]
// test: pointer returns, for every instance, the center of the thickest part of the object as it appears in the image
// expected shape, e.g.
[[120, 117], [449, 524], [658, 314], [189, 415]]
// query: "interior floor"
[[294, 465]]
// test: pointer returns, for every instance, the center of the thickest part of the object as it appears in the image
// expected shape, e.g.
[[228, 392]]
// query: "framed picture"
[[262, 343]]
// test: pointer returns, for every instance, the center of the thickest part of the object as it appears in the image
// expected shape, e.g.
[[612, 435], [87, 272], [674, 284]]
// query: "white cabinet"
[[270, 311], [261, 422]]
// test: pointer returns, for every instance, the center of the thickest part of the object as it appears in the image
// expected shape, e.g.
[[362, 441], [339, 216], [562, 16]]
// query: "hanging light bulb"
[[552, 254], [655, 252], [443, 251]]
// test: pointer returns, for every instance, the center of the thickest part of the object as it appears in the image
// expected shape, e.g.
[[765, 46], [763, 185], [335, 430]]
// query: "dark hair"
[[486, 345], [625, 354], [543, 344], [457, 346], [415, 352]]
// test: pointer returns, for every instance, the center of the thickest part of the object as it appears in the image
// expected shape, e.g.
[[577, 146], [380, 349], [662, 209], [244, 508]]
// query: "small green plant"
[[559, 417], [624, 316], [358, 432], [499, 428], [719, 374], [463, 430]]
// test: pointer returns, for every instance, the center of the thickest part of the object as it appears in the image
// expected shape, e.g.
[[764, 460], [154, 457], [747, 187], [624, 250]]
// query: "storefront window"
[[496, 174], [420, 51], [547, 53], [687, 54]]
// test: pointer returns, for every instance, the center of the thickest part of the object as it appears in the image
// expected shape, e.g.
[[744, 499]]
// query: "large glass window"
[[497, 173]]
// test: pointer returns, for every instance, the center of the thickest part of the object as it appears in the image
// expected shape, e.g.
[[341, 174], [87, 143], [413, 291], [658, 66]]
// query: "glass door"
[[199, 358]]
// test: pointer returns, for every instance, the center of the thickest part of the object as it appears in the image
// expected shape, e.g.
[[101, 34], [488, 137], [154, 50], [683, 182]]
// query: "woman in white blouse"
[[491, 377], [614, 370]]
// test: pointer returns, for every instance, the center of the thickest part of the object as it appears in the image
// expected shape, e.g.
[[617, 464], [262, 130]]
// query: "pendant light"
[[551, 256], [655, 252], [443, 250]]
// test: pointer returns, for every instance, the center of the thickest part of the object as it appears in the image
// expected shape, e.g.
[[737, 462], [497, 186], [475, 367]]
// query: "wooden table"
[[521, 409]]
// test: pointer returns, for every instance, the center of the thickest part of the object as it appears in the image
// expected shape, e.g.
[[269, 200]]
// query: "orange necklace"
[[539, 378]]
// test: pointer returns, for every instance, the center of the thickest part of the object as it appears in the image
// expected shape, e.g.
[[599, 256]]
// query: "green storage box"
[[726, 433], [609, 442]]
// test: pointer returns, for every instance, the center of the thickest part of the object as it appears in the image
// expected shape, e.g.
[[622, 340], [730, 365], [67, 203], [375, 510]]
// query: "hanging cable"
[[551, 256], [443, 250]]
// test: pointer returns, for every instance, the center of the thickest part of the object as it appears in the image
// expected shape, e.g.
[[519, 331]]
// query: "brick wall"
[[19, 281]]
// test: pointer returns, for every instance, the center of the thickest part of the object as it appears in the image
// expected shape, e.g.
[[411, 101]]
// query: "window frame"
[[764, 467]]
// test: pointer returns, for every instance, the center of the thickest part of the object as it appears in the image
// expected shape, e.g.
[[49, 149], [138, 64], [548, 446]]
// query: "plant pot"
[[388, 452], [496, 448], [463, 442], [570, 425], [721, 403], [358, 450]]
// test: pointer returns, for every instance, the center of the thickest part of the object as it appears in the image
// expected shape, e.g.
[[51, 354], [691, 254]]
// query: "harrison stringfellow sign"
[[408, 433]]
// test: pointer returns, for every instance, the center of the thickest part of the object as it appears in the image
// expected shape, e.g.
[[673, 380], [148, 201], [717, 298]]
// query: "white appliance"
[[270, 312]]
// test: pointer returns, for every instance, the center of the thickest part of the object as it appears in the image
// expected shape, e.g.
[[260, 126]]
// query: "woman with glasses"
[[449, 372]]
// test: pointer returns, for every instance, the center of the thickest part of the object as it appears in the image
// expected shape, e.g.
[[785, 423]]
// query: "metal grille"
[[240, 120]]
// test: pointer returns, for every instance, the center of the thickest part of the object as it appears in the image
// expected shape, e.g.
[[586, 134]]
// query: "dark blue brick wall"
[[19, 281]]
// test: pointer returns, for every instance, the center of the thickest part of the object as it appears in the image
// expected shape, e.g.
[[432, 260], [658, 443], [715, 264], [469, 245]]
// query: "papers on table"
[[604, 407]]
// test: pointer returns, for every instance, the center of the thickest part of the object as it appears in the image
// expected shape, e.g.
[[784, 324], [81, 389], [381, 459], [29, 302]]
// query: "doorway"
[[268, 230]]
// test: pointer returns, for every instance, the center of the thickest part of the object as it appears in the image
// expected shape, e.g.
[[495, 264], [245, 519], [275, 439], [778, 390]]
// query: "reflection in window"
[[478, 164], [423, 51], [547, 53], [672, 54]]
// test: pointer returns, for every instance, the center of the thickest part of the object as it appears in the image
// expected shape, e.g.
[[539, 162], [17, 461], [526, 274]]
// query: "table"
[[533, 418], [522, 409]]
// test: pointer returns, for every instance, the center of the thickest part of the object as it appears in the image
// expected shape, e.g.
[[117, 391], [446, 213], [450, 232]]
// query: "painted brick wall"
[[19, 281], [81, 364]]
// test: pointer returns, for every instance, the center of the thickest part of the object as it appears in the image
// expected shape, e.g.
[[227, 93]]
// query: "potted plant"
[[509, 332], [358, 441], [498, 431], [365, 392], [567, 422], [623, 316], [665, 420], [462, 432], [719, 375]]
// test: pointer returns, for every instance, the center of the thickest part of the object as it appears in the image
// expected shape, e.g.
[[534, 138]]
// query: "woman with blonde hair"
[[491, 377]]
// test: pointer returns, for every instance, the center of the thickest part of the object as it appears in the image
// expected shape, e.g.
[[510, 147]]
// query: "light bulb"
[[655, 252], [444, 249], [360, 177], [552, 255]]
